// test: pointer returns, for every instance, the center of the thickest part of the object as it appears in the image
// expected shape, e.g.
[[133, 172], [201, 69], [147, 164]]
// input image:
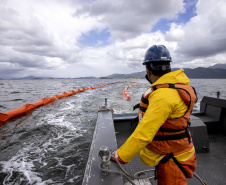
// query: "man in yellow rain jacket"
[[162, 138]]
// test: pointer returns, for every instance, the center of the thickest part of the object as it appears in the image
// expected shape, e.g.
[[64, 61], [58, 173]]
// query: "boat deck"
[[112, 131], [211, 166]]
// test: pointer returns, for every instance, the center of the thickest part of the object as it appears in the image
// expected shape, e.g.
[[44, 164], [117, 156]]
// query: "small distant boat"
[[208, 130]]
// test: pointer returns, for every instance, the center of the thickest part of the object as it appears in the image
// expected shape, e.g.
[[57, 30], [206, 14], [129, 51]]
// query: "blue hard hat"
[[157, 53]]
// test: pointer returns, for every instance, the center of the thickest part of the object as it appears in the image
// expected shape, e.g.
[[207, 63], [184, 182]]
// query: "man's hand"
[[115, 155], [136, 106]]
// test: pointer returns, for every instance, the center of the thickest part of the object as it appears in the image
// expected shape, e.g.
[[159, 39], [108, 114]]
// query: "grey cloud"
[[136, 65], [205, 33], [205, 48], [21, 33], [24, 65], [25, 43], [21, 60], [10, 73], [41, 50], [130, 18]]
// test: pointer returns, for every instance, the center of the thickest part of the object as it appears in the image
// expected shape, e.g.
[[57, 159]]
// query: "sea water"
[[51, 144]]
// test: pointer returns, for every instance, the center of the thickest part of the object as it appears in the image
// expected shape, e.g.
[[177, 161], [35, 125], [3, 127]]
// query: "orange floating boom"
[[27, 108], [125, 94]]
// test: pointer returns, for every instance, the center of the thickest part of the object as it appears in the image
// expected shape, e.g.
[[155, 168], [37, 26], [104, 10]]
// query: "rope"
[[130, 177], [135, 177], [122, 172], [199, 178]]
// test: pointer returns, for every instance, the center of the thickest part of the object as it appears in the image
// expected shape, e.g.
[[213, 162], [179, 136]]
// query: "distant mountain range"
[[201, 72], [217, 71], [220, 66]]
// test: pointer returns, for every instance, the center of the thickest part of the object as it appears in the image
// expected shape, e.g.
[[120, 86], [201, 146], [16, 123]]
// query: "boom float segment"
[[27, 108], [125, 94]]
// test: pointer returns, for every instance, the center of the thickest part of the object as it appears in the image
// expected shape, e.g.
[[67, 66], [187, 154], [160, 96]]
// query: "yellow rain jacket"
[[164, 104]]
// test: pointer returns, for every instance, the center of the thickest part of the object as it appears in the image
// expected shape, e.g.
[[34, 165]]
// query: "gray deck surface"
[[211, 166]]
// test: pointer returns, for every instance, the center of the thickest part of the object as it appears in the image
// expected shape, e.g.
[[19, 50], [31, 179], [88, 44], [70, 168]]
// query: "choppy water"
[[50, 145]]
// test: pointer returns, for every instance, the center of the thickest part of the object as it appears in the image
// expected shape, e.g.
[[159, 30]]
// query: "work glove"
[[115, 154], [136, 106]]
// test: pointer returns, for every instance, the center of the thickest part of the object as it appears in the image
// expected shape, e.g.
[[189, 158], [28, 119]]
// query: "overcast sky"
[[77, 38]]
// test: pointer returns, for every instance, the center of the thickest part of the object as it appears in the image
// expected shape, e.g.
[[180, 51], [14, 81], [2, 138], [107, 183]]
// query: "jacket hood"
[[173, 78]]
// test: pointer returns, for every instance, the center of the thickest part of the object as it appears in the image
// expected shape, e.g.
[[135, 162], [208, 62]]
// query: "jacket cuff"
[[115, 154]]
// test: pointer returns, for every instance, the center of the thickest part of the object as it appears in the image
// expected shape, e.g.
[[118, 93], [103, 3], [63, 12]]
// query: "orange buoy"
[[27, 108], [126, 95]]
